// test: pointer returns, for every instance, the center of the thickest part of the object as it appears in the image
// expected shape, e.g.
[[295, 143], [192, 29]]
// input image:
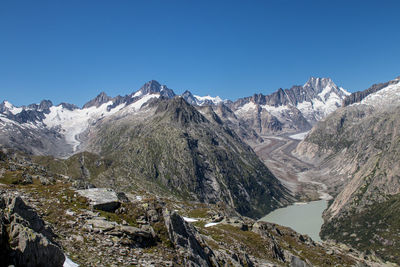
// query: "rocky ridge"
[[289, 110], [358, 147], [25, 239]]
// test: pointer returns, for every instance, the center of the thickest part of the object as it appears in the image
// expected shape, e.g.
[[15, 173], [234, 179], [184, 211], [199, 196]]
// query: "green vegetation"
[[375, 228]]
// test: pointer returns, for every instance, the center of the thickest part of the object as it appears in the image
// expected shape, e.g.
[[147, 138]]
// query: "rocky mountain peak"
[[154, 87], [5, 106], [151, 87], [318, 84], [189, 97], [98, 100], [180, 111], [45, 104], [69, 106]]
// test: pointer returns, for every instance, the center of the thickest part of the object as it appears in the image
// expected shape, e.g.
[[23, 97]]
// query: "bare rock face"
[[4, 246], [33, 249], [357, 97], [98, 101], [20, 213], [25, 240], [186, 238]]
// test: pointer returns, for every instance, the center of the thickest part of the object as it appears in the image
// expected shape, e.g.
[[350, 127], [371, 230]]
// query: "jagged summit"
[[153, 87], [178, 110], [290, 110], [44, 105], [98, 101], [189, 97], [318, 84]]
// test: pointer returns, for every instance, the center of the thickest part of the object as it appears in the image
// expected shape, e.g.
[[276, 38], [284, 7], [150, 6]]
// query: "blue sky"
[[71, 50]]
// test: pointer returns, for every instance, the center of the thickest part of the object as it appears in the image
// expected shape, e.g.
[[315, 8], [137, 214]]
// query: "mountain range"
[[59, 130]]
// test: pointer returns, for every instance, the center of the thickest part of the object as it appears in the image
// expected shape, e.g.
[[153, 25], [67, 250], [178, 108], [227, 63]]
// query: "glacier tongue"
[[74, 122]]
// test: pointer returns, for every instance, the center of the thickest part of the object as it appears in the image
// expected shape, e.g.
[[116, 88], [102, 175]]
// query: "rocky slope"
[[171, 147], [360, 146], [144, 230]]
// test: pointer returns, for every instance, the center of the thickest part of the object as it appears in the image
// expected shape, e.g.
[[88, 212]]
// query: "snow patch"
[[189, 219], [275, 110], [14, 110], [299, 136], [69, 263], [138, 104], [211, 224], [137, 94], [247, 107], [215, 100], [344, 91]]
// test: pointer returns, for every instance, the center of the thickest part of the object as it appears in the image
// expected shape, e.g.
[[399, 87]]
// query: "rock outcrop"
[[25, 240], [102, 198], [186, 238]]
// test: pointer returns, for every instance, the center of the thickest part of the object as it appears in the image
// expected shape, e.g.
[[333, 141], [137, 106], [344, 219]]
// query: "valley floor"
[[298, 176]]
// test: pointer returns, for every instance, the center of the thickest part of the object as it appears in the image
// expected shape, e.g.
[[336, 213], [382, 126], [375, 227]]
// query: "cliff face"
[[360, 146], [357, 97]]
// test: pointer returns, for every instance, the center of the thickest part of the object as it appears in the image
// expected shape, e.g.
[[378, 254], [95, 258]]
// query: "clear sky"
[[71, 50]]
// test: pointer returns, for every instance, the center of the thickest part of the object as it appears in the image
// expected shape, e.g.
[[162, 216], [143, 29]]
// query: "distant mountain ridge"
[[358, 96], [289, 110]]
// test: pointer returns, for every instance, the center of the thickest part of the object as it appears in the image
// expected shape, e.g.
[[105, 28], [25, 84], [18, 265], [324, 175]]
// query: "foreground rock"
[[25, 240], [102, 198], [186, 238]]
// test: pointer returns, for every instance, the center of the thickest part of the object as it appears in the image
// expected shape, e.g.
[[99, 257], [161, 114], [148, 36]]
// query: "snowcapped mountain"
[[380, 96], [47, 129], [201, 100], [61, 130], [290, 110]]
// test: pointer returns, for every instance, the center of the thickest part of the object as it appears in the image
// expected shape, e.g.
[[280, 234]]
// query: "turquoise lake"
[[305, 218]]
